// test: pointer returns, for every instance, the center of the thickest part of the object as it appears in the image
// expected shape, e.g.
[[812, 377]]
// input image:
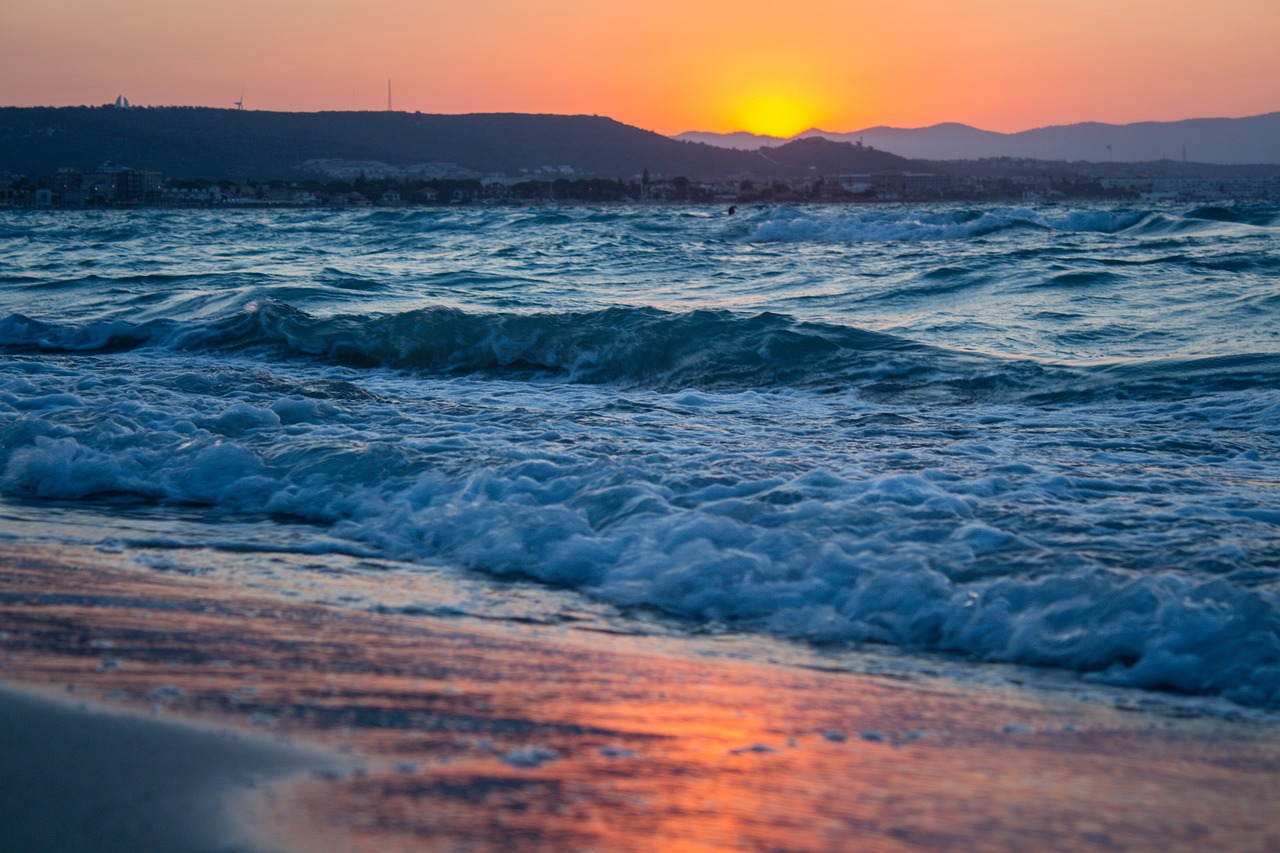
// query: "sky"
[[766, 66]]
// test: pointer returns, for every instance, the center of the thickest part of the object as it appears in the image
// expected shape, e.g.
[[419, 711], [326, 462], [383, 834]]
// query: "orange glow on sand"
[[466, 732]]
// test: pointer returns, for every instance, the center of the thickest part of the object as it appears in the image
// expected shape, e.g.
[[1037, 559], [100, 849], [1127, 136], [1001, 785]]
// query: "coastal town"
[[341, 183], [122, 156]]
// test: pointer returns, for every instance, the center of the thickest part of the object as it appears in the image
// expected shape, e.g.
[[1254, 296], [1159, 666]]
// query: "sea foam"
[[826, 521], [1042, 435]]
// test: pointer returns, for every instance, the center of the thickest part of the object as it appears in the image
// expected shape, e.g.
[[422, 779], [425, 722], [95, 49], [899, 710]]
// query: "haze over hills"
[[1252, 140], [188, 142]]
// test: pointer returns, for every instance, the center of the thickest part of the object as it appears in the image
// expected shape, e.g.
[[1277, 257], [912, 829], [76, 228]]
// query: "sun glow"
[[775, 113], [742, 65]]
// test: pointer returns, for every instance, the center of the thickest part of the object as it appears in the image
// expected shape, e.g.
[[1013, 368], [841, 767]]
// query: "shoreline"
[[492, 733]]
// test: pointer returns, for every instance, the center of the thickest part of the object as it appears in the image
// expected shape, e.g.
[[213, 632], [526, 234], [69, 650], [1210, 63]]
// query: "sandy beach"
[[445, 731], [81, 778]]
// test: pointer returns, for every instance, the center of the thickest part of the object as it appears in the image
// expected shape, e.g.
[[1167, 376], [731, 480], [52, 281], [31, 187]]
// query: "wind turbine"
[[240, 103]]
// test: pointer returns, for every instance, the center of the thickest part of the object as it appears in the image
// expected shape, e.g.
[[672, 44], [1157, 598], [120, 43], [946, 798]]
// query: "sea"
[[1045, 436]]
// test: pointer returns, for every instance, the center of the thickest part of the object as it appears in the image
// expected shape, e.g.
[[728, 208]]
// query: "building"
[[109, 185]]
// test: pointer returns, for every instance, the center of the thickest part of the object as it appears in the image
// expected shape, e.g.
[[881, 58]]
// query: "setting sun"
[[665, 65], [774, 113]]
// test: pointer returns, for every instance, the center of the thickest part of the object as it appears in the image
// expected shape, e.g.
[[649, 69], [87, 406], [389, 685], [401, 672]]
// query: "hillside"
[[185, 142], [827, 157]]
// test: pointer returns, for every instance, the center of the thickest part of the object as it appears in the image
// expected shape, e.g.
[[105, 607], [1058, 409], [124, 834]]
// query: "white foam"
[[782, 512], [1048, 436]]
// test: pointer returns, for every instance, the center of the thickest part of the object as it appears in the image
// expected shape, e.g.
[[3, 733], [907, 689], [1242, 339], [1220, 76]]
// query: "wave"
[[1262, 216], [893, 224], [767, 224], [801, 472], [650, 348], [631, 346], [946, 546]]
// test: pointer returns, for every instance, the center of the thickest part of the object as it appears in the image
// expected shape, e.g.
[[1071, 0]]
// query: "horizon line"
[[739, 132]]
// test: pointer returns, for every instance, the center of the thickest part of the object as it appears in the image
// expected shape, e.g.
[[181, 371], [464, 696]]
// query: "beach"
[[80, 776], [453, 732]]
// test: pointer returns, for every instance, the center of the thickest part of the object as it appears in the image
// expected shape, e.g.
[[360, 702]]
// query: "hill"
[[186, 142], [828, 157], [1238, 141]]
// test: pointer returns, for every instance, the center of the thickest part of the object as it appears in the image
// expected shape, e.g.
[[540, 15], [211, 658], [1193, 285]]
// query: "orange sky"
[[666, 65]]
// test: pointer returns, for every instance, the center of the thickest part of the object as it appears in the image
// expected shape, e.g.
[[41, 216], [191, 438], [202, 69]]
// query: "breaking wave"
[[1041, 435], [647, 348], [902, 223]]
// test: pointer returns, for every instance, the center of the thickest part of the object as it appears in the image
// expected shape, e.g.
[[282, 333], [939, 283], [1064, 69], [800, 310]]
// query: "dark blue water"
[[1048, 436]]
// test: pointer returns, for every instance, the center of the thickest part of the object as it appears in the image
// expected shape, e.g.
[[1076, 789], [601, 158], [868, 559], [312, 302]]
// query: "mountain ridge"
[[1250, 140], [200, 142]]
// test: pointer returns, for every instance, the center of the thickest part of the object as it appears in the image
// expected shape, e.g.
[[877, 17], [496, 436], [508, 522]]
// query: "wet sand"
[[464, 733], [75, 778]]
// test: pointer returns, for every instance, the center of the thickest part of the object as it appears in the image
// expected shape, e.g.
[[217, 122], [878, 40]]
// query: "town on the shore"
[[363, 184], [310, 159], [339, 183], [120, 156]]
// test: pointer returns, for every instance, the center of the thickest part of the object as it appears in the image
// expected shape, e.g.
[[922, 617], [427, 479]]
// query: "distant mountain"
[[1253, 140], [185, 142], [829, 157], [741, 140]]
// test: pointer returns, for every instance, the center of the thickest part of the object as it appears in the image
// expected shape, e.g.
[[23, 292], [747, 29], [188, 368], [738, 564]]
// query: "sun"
[[775, 113]]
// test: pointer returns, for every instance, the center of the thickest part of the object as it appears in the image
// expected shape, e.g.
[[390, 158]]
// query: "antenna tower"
[[388, 94]]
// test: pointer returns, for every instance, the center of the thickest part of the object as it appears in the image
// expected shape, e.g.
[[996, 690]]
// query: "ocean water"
[[1047, 436]]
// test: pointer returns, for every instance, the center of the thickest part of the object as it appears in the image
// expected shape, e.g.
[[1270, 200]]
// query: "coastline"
[[556, 735]]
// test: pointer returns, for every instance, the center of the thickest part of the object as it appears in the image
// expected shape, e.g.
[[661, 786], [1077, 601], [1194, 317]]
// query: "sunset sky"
[[666, 65]]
